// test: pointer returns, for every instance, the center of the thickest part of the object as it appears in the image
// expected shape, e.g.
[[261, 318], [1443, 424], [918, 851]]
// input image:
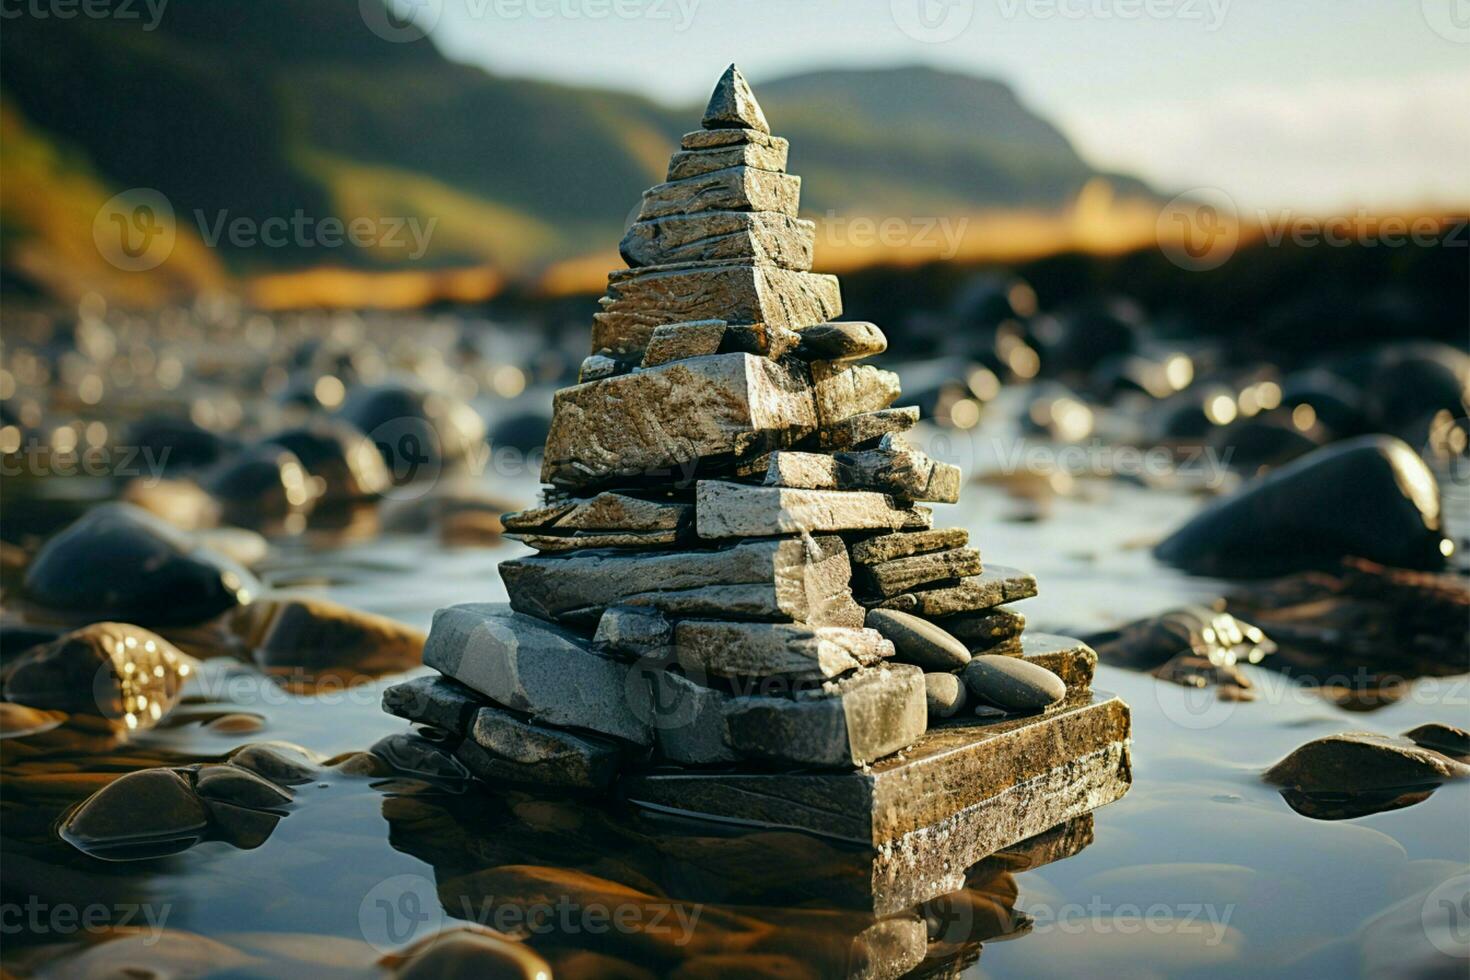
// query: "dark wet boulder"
[[1448, 739], [1361, 762], [176, 444], [264, 484], [419, 435], [1076, 340], [1414, 381], [148, 806], [525, 431], [1265, 441], [120, 563], [346, 462], [1330, 401], [121, 672], [1370, 497]]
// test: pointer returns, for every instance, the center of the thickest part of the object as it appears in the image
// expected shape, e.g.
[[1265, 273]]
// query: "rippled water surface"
[[1202, 869]]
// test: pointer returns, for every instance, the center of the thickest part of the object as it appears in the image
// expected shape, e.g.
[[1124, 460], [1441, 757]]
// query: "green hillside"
[[261, 108]]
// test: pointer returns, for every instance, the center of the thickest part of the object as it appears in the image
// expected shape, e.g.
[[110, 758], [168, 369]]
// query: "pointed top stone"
[[732, 105]]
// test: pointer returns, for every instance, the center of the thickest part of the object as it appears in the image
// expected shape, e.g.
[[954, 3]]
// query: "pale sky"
[[1313, 105]]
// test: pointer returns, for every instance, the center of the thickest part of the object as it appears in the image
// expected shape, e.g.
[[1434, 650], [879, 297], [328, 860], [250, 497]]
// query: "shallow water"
[[1200, 870]]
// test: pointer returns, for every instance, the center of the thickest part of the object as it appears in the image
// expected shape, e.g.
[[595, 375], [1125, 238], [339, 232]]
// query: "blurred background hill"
[[263, 108]]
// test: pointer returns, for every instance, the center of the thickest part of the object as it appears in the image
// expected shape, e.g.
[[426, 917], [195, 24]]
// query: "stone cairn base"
[[740, 607]]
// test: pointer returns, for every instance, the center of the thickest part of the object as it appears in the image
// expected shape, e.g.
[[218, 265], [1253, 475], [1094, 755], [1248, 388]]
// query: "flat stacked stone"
[[736, 577]]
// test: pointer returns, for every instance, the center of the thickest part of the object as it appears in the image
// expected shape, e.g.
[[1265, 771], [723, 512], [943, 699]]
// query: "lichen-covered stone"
[[638, 300], [664, 420], [996, 585], [761, 237], [842, 392], [901, 544], [794, 579], [869, 427], [677, 341], [904, 574], [728, 649], [763, 156], [732, 189], [984, 629], [849, 722], [735, 510], [842, 341]]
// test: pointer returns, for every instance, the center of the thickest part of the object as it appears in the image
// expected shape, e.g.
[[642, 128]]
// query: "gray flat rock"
[[666, 419], [889, 578], [869, 427], [731, 189], [997, 584], [596, 366], [841, 341], [756, 602], [841, 391], [801, 471], [638, 300], [918, 641], [793, 579], [689, 721], [737, 510], [760, 237], [762, 156], [637, 631], [853, 721], [533, 666], [732, 105], [976, 786], [436, 701], [598, 539], [733, 649], [703, 139], [499, 747], [901, 544], [944, 695], [1012, 683]]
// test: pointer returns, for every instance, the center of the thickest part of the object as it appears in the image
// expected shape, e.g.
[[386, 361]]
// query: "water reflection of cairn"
[[736, 577]]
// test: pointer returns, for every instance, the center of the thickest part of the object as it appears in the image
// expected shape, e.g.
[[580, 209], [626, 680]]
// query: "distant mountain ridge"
[[263, 108]]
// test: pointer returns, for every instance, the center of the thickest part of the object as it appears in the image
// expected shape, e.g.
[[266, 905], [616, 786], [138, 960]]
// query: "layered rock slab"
[[639, 300], [954, 780], [727, 649], [665, 420], [758, 237], [537, 668], [792, 579], [737, 188], [734, 510], [996, 585]]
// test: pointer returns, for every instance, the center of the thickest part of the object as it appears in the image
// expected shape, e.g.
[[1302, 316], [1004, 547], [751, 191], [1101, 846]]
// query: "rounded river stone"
[[918, 641], [1013, 683], [944, 694]]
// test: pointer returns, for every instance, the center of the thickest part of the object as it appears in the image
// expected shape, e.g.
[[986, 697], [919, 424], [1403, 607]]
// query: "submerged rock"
[[347, 464], [467, 952], [121, 672], [419, 435], [151, 805], [316, 633], [1441, 738], [1371, 497], [1357, 762], [119, 562], [265, 484]]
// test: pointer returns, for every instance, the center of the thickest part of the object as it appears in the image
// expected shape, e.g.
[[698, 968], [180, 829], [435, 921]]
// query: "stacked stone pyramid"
[[736, 571]]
